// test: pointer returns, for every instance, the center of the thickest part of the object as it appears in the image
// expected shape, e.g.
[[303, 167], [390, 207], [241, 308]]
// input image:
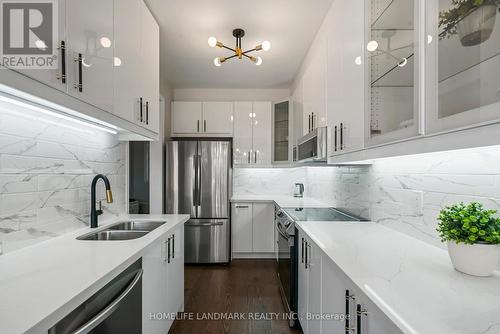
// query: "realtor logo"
[[28, 34]]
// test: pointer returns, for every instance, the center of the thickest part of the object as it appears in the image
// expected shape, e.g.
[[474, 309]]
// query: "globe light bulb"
[[117, 61], [266, 45], [258, 61], [372, 46], [105, 42], [217, 62], [212, 41], [358, 60]]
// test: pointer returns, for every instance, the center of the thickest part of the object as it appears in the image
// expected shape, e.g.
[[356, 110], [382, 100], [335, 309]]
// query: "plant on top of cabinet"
[[473, 20], [472, 234]]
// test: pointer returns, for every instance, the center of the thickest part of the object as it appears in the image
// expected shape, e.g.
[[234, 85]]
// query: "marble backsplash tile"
[[403, 193], [46, 168]]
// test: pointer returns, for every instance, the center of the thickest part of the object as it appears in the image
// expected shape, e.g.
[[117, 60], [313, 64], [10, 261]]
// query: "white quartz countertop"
[[282, 200], [41, 284], [412, 282]]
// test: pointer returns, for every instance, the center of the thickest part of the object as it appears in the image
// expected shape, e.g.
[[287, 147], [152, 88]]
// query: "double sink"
[[123, 231]]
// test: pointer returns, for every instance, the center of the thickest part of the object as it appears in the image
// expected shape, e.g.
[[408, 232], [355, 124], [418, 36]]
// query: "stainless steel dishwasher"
[[115, 309]]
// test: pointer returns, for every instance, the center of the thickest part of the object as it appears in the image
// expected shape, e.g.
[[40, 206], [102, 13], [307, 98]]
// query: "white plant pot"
[[476, 27], [476, 260]]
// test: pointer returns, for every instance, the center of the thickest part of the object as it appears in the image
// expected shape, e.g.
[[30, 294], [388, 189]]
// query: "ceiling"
[[187, 60]]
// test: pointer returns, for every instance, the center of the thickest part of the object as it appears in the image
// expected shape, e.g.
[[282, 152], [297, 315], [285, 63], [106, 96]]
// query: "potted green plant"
[[472, 234], [472, 20]]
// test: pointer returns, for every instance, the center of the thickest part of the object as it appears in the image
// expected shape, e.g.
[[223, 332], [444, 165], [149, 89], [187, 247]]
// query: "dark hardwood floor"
[[245, 287]]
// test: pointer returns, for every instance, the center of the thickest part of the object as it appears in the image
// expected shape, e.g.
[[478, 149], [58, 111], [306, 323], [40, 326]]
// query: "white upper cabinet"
[[150, 70], [127, 59], [136, 64], [186, 117], [392, 70], [314, 86], [56, 78], [252, 133], [242, 142], [90, 51], [345, 77], [463, 67], [261, 124], [218, 117], [202, 119]]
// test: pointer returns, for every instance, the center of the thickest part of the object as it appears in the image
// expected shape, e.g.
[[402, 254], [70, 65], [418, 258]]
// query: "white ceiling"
[[187, 60]]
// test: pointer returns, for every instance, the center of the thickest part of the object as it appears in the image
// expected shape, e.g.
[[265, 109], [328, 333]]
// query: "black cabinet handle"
[[198, 126], [147, 112], [62, 47], [302, 256], [358, 319], [204, 125], [341, 136], [335, 138], [348, 297], [312, 121], [306, 262], [309, 123], [80, 74], [168, 244], [140, 109], [173, 246]]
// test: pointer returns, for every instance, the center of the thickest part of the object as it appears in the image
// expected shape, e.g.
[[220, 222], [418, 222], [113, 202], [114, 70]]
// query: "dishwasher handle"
[[108, 310]]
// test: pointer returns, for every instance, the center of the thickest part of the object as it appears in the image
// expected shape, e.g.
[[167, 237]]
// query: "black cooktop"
[[319, 214]]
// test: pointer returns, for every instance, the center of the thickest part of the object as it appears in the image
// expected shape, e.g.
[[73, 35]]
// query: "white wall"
[[230, 94], [46, 168], [403, 193]]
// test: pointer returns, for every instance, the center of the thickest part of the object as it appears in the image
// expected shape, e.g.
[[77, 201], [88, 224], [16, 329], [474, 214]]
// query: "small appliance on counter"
[[288, 248], [299, 190]]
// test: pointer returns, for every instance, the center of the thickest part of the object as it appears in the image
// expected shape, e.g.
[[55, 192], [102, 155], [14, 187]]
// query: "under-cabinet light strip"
[[5, 97]]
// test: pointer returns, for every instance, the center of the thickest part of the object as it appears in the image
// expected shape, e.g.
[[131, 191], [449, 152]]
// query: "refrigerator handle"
[[199, 180], [195, 188]]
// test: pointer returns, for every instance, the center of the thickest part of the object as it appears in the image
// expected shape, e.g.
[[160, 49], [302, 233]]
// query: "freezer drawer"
[[207, 241]]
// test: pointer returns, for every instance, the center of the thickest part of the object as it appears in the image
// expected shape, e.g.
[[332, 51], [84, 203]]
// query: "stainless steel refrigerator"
[[198, 182]]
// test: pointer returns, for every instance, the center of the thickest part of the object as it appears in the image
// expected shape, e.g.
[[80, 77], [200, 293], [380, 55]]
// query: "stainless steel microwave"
[[313, 146]]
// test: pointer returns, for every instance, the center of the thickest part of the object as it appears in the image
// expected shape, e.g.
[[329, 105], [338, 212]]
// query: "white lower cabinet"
[[329, 302], [163, 282], [309, 299], [252, 227]]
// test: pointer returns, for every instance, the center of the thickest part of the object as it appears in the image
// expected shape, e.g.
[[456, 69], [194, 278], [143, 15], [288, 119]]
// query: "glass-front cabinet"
[[282, 141], [392, 70], [462, 64]]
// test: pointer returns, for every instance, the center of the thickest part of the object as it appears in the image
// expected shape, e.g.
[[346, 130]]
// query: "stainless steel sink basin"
[[113, 235], [137, 226]]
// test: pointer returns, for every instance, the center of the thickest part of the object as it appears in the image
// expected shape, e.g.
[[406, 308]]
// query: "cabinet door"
[[345, 77], [175, 287], [282, 129], [392, 58], [372, 320], [53, 77], [242, 150], [154, 287], [462, 68], [298, 113], [303, 283], [315, 293], [314, 87], [186, 117], [241, 226], [127, 59], [90, 34], [218, 118], [261, 128], [150, 69], [263, 228], [333, 296]]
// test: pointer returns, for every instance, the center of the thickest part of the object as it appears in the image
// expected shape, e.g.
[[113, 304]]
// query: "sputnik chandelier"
[[238, 51]]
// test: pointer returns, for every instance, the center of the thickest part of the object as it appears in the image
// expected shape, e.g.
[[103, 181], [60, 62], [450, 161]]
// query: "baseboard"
[[239, 255]]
